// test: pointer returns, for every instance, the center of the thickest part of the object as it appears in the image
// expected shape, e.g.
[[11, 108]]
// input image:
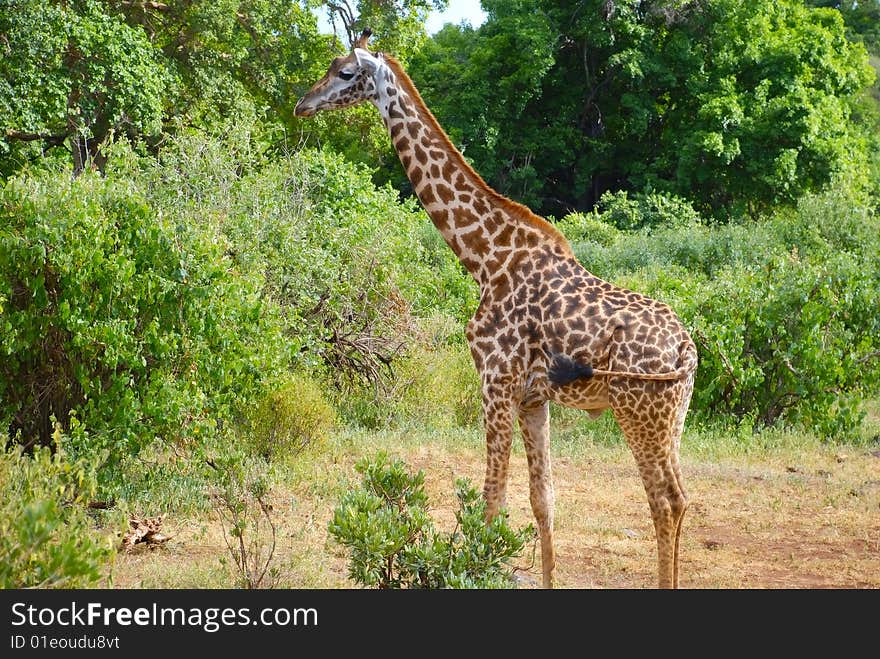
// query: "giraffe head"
[[348, 81]]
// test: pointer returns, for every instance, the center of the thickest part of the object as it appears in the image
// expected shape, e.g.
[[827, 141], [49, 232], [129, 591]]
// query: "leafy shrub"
[[781, 310], [647, 211], [583, 227], [435, 383], [821, 226], [788, 341], [291, 417], [47, 540], [437, 386], [348, 263], [137, 324], [157, 301], [392, 542], [792, 340]]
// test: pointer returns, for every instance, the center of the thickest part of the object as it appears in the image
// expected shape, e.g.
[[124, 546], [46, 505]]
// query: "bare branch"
[[23, 136], [869, 357], [158, 6]]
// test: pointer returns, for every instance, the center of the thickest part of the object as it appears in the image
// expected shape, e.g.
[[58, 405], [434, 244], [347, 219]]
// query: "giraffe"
[[545, 329]]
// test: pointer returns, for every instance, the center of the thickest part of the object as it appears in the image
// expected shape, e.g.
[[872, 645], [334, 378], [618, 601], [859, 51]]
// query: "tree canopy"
[[733, 105], [71, 74]]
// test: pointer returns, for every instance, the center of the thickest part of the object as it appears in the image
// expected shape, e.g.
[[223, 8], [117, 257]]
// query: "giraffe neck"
[[482, 227]]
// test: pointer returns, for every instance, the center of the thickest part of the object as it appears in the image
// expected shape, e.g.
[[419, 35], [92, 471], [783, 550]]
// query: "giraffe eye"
[[346, 75]]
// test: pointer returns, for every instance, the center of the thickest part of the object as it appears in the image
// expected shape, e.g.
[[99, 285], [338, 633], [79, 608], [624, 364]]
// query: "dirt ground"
[[793, 520]]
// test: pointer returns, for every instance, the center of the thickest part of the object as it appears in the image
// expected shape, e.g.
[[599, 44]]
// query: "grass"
[[775, 510]]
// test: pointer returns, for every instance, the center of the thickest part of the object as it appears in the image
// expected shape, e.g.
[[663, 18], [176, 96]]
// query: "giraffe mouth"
[[302, 110]]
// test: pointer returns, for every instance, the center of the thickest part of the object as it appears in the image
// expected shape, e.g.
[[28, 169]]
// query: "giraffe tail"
[[564, 370]]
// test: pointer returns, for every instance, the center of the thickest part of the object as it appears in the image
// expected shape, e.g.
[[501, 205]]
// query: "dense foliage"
[[75, 74], [783, 311], [169, 298], [122, 318], [47, 539], [736, 106], [195, 284]]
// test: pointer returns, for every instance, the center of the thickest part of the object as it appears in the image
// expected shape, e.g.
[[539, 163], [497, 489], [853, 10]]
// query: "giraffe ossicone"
[[546, 329]]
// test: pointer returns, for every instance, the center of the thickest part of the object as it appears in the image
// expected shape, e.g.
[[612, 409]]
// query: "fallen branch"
[[144, 530]]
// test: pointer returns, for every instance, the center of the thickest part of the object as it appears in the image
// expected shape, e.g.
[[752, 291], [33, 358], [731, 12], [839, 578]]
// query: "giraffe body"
[[546, 329]]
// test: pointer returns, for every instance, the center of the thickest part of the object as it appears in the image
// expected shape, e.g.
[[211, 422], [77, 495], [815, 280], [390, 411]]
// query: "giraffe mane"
[[516, 210]]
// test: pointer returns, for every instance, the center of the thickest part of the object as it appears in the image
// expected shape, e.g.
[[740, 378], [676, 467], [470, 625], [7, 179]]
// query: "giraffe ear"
[[366, 60]]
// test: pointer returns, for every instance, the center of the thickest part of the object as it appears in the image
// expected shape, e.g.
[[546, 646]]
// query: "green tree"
[[70, 75], [862, 18], [480, 83], [399, 25], [730, 104], [74, 73], [235, 59]]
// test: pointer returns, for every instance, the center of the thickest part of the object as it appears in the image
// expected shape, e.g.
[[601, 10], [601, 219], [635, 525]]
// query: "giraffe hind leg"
[[668, 502], [677, 430], [654, 441]]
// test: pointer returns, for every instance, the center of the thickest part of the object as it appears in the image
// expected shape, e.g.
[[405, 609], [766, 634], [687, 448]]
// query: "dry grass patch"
[[784, 517]]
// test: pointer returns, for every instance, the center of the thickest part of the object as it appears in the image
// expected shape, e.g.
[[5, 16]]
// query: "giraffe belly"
[[589, 395]]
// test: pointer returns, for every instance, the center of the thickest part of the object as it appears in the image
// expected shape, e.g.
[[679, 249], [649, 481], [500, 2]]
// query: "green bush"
[[159, 302], [437, 386], [646, 211], [392, 542], [47, 539], [290, 417], [822, 225], [240, 487], [347, 262], [138, 324], [588, 228], [435, 383], [787, 341], [792, 340]]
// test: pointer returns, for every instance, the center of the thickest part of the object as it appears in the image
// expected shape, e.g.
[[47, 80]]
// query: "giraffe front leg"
[[498, 421], [535, 426]]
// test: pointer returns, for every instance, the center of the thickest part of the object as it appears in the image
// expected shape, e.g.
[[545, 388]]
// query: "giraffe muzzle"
[[303, 110]]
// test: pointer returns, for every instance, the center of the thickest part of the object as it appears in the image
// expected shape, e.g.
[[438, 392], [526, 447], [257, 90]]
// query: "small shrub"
[[583, 227], [240, 489], [47, 539], [435, 384], [362, 408], [392, 542], [291, 417]]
